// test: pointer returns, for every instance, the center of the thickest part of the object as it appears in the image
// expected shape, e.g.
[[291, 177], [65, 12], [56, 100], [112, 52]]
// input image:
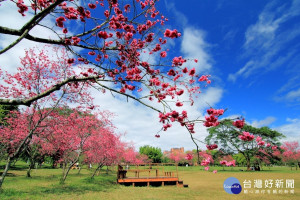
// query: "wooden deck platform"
[[148, 176], [154, 181]]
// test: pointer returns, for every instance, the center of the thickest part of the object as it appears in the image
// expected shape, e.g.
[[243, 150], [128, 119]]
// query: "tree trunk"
[[53, 165], [31, 166], [98, 168], [15, 156], [79, 170], [248, 164], [198, 156], [66, 171], [8, 162], [13, 163]]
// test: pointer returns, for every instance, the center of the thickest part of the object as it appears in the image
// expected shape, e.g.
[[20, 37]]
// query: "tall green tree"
[[154, 153], [239, 159], [248, 141]]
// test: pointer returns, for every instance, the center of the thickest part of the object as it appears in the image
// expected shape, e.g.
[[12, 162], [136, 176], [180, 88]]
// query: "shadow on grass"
[[104, 182], [9, 174], [14, 167]]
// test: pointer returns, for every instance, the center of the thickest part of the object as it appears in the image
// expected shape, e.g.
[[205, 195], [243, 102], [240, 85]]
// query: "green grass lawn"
[[44, 184]]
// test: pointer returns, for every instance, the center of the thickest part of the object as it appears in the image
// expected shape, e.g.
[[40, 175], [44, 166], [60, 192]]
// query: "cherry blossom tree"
[[227, 161], [267, 157], [104, 148], [14, 133], [130, 156], [34, 154], [177, 157], [80, 134], [206, 159], [38, 71], [116, 40], [191, 157], [291, 154]]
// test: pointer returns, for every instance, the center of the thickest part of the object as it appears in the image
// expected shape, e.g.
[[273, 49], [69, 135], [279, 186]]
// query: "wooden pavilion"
[[154, 174]]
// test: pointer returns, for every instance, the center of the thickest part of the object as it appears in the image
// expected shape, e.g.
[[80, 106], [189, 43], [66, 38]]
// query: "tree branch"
[[28, 102], [129, 96], [30, 24]]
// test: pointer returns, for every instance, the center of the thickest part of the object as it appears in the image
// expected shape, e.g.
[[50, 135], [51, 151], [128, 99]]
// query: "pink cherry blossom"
[[246, 136], [239, 123], [212, 146]]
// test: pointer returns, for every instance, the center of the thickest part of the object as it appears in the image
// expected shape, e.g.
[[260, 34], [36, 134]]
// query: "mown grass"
[[44, 184]]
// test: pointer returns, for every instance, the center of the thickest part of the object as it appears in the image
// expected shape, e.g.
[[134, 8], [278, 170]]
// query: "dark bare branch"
[[30, 24], [28, 102]]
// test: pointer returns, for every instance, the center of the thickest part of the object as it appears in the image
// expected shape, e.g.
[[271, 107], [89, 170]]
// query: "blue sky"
[[254, 50], [251, 49]]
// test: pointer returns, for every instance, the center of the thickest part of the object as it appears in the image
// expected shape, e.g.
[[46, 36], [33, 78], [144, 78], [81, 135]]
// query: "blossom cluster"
[[212, 146], [189, 156], [212, 119], [205, 162], [246, 136], [239, 123], [228, 163], [172, 116], [259, 141]]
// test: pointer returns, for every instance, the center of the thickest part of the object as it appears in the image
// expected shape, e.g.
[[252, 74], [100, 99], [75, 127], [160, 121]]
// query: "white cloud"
[[293, 95], [263, 33], [265, 122], [291, 130], [141, 123], [194, 46], [210, 97], [266, 41]]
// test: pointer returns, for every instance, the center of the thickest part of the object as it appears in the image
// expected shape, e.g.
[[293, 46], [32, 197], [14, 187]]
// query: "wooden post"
[[163, 183], [148, 184], [133, 184]]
